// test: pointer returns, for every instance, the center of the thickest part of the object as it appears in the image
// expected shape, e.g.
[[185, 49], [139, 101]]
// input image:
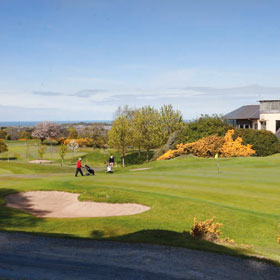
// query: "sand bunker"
[[40, 161], [54, 204]]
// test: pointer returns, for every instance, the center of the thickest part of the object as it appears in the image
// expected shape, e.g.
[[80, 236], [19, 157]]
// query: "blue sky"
[[77, 60]]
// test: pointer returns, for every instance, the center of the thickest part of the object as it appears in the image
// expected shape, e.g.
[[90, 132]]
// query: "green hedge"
[[51, 142], [205, 126], [264, 142]]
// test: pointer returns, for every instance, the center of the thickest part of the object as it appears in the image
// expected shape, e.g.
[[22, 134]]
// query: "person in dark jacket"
[[111, 161], [79, 167]]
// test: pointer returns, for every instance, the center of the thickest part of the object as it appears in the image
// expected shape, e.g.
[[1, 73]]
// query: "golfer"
[[79, 167], [111, 161]]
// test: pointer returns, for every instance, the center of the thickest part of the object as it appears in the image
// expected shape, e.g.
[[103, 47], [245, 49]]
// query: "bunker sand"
[[141, 169], [54, 204], [39, 161]]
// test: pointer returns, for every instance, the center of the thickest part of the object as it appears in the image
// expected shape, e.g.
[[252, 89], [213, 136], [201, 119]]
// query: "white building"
[[264, 116]]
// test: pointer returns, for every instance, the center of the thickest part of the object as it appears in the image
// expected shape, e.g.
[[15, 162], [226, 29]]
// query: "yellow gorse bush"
[[207, 230], [212, 145], [235, 148]]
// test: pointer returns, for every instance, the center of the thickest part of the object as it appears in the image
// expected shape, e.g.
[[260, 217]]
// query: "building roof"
[[244, 112], [270, 100]]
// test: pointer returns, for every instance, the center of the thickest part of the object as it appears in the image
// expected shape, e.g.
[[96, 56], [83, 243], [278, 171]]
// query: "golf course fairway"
[[243, 195]]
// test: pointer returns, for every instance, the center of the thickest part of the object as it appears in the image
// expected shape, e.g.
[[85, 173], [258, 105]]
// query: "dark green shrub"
[[3, 146], [205, 126], [51, 142], [264, 142]]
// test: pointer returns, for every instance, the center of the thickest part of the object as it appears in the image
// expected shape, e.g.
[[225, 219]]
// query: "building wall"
[[270, 106], [270, 121], [255, 124]]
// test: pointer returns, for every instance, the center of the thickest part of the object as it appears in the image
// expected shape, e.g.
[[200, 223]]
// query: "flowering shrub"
[[207, 146], [212, 145], [169, 154], [235, 148], [207, 230]]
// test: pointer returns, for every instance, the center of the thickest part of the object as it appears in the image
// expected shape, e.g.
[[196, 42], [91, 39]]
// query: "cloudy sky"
[[80, 60]]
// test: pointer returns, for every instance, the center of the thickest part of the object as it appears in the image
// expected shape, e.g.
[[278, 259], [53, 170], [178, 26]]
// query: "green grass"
[[25, 151], [244, 196]]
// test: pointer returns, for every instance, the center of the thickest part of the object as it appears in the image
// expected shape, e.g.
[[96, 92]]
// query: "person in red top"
[[79, 167]]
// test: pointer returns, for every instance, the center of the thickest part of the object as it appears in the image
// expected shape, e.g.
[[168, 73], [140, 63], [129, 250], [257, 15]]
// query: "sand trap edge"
[[141, 169], [55, 204]]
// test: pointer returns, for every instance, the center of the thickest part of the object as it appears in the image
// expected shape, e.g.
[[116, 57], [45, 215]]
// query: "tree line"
[[145, 128]]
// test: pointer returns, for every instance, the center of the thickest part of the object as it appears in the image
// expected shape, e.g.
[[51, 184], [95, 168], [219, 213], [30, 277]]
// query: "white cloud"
[[47, 93], [101, 104]]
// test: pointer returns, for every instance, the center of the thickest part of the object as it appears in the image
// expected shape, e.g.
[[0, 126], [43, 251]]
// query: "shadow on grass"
[[8, 158], [183, 240], [14, 218], [133, 158]]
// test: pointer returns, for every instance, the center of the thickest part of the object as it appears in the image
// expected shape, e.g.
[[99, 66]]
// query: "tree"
[[73, 134], [25, 134], [12, 133], [150, 128], [44, 130], [3, 134], [62, 152], [120, 136], [74, 147], [137, 131], [124, 111], [3, 146], [170, 120], [205, 126], [41, 151], [97, 136]]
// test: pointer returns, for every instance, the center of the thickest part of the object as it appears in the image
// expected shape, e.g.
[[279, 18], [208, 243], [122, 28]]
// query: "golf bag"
[[89, 170]]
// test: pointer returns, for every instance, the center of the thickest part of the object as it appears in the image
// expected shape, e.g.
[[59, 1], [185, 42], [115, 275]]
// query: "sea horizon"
[[33, 123]]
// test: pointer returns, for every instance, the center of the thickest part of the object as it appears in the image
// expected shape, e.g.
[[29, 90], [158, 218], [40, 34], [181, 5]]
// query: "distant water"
[[30, 124]]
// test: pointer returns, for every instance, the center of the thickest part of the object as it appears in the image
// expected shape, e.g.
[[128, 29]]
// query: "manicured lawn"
[[244, 196], [24, 151]]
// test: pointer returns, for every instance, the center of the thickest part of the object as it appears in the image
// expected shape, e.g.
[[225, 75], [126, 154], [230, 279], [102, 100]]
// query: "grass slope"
[[244, 196]]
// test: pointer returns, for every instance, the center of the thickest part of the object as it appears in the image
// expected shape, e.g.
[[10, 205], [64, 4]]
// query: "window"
[[277, 125], [263, 125]]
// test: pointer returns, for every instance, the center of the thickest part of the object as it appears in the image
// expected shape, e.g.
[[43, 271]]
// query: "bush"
[[3, 146], [212, 145], [264, 142], [207, 146], [50, 142], [235, 148], [205, 126], [207, 230], [82, 142], [204, 147]]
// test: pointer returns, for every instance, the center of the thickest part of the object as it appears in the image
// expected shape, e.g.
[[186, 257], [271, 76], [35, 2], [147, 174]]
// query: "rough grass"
[[244, 196]]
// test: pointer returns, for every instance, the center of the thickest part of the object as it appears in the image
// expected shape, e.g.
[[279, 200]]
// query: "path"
[[24, 256]]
